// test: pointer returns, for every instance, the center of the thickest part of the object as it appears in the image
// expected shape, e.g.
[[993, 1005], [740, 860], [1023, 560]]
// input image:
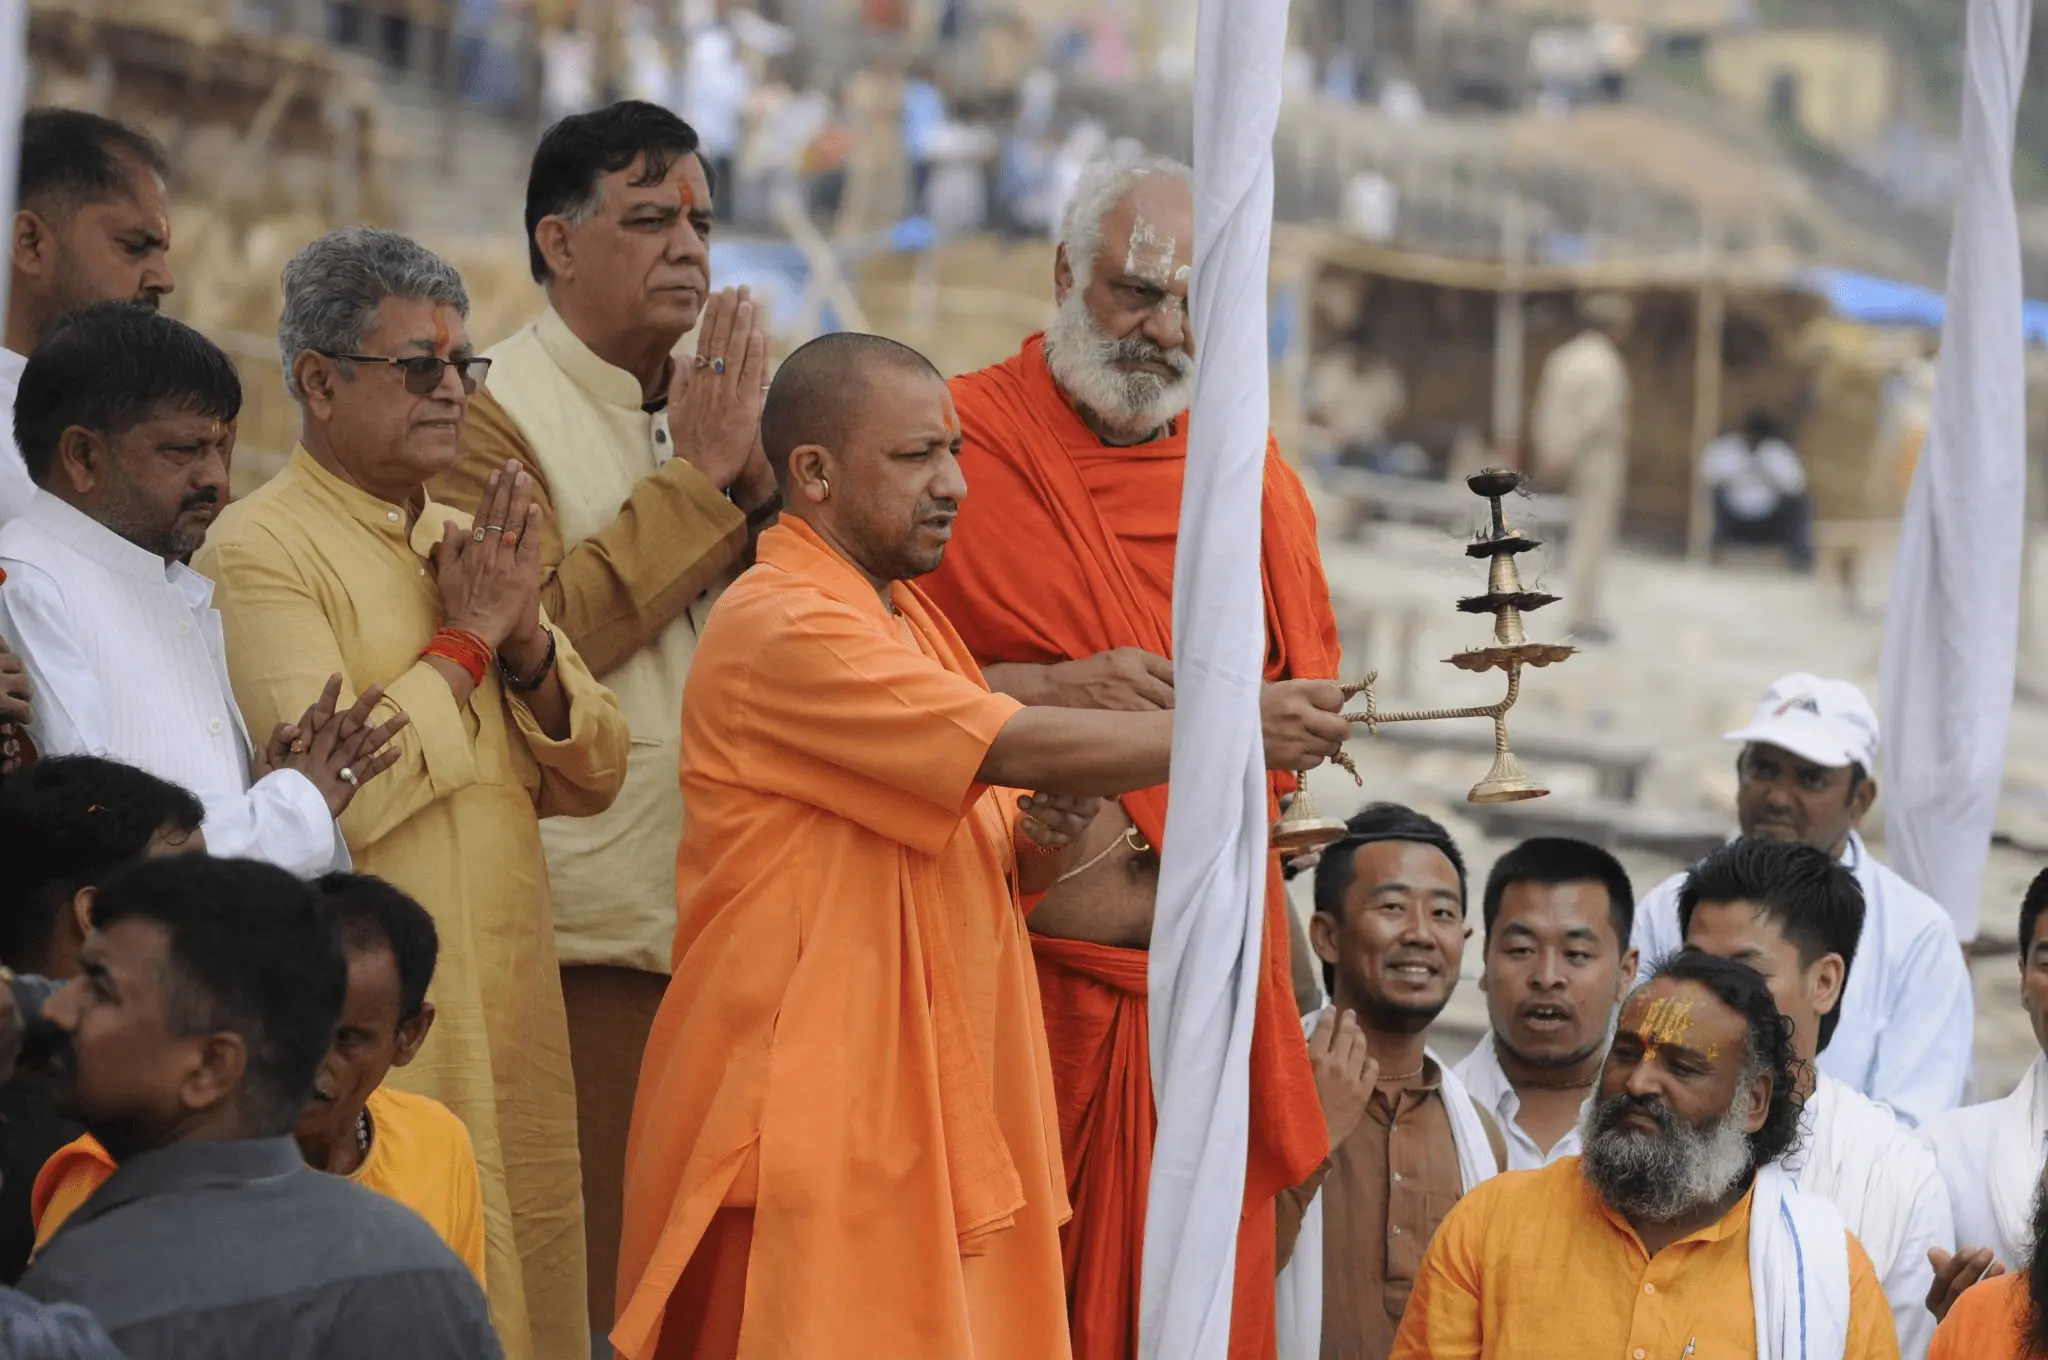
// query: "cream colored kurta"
[[613, 876], [315, 576]]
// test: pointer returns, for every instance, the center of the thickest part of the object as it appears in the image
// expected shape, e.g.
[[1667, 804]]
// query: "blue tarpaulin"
[[1887, 302]]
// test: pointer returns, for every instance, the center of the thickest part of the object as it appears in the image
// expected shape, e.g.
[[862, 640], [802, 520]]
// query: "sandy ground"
[[1693, 650]]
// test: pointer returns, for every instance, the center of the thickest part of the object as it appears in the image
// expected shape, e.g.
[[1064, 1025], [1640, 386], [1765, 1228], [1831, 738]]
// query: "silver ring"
[[477, 535], [718, 367], [348, 776]]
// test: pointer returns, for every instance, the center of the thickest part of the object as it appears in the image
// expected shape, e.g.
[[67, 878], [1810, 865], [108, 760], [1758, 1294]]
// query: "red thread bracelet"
[[465, 649]]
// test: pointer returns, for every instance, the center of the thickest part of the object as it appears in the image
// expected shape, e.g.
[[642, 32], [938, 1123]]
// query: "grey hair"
[[333, 288], [1102, 186]]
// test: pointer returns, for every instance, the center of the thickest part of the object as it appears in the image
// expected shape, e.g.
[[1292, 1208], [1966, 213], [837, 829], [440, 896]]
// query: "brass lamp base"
[[1302, 827], [1509, 781]]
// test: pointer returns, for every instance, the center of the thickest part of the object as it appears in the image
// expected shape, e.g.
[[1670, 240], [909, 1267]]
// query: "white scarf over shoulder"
[[1298, 1293], [1798, 1271]]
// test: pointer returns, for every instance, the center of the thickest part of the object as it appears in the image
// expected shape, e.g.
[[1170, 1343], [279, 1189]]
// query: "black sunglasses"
[[423, 371]]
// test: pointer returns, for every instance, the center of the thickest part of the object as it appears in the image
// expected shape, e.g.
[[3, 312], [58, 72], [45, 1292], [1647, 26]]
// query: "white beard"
[[1660, 1176], [1083, 362]]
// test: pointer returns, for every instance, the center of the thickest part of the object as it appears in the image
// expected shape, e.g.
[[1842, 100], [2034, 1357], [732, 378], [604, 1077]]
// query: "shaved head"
[[865, 442], [821, 389]]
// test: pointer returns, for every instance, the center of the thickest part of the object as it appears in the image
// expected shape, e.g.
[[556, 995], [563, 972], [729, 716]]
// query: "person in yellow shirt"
[[405, 1146], [1676, 1232]]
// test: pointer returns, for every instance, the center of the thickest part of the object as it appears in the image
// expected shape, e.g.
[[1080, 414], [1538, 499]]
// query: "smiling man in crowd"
[[1558, 914], [1389, 926], [1807, 773]]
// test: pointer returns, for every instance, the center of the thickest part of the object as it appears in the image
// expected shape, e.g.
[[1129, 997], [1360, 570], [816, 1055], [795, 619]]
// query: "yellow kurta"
[[314, 576]]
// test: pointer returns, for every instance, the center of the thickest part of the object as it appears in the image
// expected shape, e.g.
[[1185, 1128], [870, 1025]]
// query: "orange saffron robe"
[[848, 1071], [1064, 548]]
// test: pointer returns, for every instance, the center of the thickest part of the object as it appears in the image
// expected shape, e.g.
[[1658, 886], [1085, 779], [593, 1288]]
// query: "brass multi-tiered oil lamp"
[[1302, 827]]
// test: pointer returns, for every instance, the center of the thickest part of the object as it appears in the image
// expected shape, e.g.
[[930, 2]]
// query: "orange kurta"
[[848, 1069], [1989, 1322], [1064, 547], [1532, 1263]]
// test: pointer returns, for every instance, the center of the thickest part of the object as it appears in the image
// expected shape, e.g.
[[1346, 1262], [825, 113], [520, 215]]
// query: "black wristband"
[[526, 684]]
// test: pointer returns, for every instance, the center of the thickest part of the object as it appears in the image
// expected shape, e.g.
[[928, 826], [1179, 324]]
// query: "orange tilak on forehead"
[[952, 419], [443, 332], [1667, 1020]]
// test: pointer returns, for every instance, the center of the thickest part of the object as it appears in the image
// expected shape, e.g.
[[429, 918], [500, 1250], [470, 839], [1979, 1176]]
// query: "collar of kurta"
[[610, 385], [380, 517], [1727, 1225], [215, 1164], [94, 541], [795, 547]]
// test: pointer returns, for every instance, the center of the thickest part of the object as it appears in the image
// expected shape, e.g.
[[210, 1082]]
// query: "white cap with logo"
[[1828, 722]]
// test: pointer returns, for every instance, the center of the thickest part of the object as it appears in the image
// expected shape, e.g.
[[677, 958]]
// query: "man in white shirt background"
[[1991, 1155], [1793, 914], [126, 421], [1805, 773], [1558, 915], [92, 223], [1759, 491]]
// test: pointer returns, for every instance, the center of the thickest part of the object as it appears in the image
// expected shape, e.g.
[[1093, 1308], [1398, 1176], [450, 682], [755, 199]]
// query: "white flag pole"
[[1206, 933], [1952, 625]]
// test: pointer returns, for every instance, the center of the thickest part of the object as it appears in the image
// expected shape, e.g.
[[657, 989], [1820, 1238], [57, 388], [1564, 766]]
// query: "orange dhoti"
[[1100, 1034], [1064, 548]]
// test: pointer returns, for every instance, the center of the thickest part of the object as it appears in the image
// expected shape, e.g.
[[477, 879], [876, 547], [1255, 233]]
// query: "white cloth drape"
[[1798, 1271], [1204, 967], [1952, 626]]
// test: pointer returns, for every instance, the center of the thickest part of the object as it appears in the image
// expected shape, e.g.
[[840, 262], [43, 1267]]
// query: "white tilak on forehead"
[[1151, 252]]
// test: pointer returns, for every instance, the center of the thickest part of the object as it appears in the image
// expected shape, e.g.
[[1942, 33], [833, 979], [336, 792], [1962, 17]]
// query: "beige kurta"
[[1580, 431], [635, 544], [315, 576]]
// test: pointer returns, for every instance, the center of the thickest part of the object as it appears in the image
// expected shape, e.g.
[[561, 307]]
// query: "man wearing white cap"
[[1805, 774]]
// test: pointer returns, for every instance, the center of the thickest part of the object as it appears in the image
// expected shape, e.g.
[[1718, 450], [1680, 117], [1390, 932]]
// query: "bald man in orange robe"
[[845, 1142], [1060, 579]]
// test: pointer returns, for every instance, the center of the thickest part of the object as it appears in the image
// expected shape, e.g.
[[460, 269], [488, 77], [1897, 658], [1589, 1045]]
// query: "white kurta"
[[1990, 1157], [1482, 1076], [1908, 1013], [16, 490], [127, 662], [1853, 1153]]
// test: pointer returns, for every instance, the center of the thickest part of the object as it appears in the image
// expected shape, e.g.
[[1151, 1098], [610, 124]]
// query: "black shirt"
[[238, 1250]]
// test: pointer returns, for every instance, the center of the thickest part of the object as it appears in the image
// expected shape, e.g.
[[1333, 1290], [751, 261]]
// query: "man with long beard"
[[1676, 1232], [1060, 580]]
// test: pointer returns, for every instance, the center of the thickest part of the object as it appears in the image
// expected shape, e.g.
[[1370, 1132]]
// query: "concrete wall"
[[1846, 88]]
